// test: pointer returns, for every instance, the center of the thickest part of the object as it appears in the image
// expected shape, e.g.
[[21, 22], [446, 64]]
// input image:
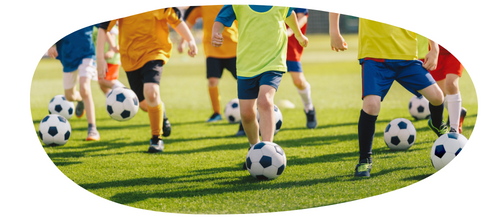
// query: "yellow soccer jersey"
[[423, 45], [209, 13], [145, 37], [383, 41]]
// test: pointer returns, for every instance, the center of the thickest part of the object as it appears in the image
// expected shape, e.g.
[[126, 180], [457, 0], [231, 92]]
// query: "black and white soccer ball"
[[60, 106], [122, 104], [418, 108], [54, 130], [232, 111], [446, 148], [266, 160], [399, 134], [279, 119]]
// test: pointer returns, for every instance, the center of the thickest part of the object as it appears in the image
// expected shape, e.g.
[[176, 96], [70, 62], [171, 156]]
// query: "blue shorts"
[[249, 88], [378, 76], [294, 66]]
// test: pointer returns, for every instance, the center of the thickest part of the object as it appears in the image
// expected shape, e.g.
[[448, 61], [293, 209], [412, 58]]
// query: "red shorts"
[[113, 71], [447, 64]]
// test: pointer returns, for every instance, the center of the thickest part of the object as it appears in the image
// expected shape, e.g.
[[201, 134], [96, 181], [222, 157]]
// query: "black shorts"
[[151, 72], [215, 66]]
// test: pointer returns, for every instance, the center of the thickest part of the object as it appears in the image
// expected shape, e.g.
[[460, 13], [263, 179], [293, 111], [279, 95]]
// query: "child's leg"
[[435, 96], [214, 94], [151, 93], [266, 112], [249, 121], [303, 88], [366, 125], [453, 100]]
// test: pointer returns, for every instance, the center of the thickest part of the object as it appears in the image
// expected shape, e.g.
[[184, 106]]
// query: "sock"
[[117, 84], [156, 119], [366, 132], [306, 97], [453, 103], [436, 114], [215, 99]]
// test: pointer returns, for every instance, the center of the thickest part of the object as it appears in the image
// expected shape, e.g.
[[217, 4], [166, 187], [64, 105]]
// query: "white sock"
[[306, 97], [163, 106], [454, 108], [117, 84]]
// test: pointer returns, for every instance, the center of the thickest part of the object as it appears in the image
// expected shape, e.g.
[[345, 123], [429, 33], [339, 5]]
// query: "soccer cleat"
[[166, 128], [363, 168], [156, 145], [214, 117], [240, 132], [80, 109], [93, 136], [443, 129], [244, 166], [452, 130], [311, 122], [463, 115]]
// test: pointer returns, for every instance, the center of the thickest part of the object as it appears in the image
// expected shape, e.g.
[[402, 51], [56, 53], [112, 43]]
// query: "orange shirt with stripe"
[[209, 13], [145, 37]]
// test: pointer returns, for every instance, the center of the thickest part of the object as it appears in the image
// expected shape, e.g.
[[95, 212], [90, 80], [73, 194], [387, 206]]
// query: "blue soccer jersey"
[[75, 47]]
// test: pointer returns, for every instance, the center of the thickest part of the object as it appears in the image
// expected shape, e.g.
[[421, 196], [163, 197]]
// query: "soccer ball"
[[399, 134], [122, 104], [60, 106], [418, 108], [54, 130], [278, 118], [232, 111], [266, 160], [446, 148]]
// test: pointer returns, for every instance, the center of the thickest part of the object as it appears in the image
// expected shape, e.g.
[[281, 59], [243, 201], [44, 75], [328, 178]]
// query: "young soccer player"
[[387, 53], [76, 52], [261, 60], [145, 47], [294, 53], [447, 75], [112, 58], [217, 58]]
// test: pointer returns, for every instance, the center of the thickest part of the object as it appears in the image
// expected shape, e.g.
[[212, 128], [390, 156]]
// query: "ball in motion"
[[266, 160], [399, 134], [232, 111], [418, 108], [122, 104], [60, 106], [446, 148], [54, 130], [279, 119]]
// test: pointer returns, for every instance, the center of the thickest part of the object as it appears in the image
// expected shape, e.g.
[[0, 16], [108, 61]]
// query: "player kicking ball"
[[385, 56]]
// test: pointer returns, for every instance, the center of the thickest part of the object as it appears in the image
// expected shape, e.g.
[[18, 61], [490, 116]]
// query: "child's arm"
[[216, 34], [431, 58], [180, 48], [52, 52], [336, 40], [302, 19], [184, 32], [113, 48], [101, 63], [292, 23]]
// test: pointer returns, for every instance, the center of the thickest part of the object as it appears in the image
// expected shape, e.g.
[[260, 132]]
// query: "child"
[[261, 60], [76, 52], [217, 58], [294, 53], [145, 47], [387, 53]]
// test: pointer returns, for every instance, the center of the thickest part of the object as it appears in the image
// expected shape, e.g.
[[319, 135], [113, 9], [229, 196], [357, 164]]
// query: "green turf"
[[200, 168]]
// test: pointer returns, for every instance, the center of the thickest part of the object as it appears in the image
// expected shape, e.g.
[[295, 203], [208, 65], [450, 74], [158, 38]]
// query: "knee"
[[248, 115], [213, 82], [264, 104], [151, 93], [371, 105], [436, 99]]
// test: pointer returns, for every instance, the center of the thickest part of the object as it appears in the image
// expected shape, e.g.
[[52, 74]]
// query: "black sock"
[[366, 132], [436, 114]]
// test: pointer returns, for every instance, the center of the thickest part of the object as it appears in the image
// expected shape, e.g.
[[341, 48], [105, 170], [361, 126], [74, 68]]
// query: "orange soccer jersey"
[[145, 37], [209, 13]]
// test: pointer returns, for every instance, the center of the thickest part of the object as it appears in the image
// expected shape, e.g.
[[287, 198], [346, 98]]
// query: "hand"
[[193, 49], [101, 67], [303, 40], [181, 44], [431, 61], [115, 49], [52, 52], [216, 39], [109, 54], [338, 43]]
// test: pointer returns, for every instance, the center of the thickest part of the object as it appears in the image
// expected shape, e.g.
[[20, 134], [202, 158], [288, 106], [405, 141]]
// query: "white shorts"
[[86, 69]]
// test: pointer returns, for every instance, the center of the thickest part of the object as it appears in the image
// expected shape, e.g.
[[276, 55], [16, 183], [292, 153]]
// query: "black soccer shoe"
[[166, 128], [311, 122]]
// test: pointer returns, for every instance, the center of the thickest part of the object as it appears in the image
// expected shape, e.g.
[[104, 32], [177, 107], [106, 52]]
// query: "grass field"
[[200, 168]]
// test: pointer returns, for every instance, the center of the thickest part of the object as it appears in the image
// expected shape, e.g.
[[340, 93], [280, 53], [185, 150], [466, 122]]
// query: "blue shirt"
[[75, 47], [226, 16]]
